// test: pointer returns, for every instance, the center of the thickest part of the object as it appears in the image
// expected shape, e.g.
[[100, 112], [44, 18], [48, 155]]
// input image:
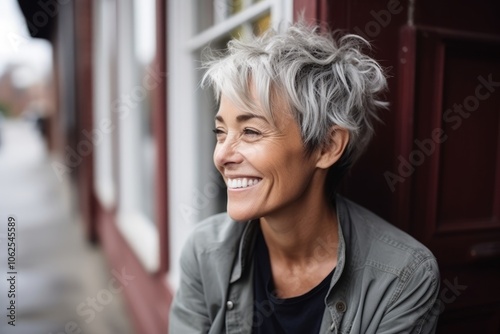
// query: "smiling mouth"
[[242, 183]]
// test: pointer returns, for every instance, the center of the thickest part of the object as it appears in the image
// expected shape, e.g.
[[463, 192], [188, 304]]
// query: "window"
[[144, 54], [195, 189], [138, 80]]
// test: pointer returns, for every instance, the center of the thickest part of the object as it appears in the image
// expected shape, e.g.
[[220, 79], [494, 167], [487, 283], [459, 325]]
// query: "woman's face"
[[264, 166]]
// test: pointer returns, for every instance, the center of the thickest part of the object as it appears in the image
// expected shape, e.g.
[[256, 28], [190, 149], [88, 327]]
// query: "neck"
[[308, 233]]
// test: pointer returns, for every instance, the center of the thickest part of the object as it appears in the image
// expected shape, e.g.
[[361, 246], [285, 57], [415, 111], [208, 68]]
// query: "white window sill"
[[142, 236]]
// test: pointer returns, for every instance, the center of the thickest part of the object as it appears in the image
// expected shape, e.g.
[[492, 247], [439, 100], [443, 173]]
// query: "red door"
[[434, 166]]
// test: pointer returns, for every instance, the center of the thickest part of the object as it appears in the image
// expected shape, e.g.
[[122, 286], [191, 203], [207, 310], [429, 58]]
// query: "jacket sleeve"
[[415, 306], [188, 313]]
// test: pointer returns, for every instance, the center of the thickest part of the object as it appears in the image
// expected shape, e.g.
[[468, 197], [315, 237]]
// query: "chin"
[[240, 215]]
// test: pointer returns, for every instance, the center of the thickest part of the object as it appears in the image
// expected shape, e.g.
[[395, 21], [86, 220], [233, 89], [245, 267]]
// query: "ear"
[[330, 153]]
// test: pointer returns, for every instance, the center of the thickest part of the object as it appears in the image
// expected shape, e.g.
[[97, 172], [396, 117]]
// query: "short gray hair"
[[325, 78]]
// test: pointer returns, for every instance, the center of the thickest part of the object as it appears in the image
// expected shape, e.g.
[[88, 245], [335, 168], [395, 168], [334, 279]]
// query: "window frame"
[[192, 195], [147, 239], [102, 89]]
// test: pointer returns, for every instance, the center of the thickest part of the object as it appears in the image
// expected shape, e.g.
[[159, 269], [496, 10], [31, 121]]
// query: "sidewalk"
[[62, 282]]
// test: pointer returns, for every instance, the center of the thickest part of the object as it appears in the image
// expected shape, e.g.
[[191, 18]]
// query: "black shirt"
[[272, 315]]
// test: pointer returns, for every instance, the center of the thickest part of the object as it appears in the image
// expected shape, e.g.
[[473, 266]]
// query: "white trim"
[[282, 14], [220, 11], [182, 148], [142, 237], [105, 193], [223, 28], [103, 182]]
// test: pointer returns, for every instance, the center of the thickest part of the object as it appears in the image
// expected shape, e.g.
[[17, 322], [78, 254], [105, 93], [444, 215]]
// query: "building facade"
[[133, 130]]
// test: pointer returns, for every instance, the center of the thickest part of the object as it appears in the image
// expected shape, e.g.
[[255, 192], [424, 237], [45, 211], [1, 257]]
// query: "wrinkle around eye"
[[251, 132], [220, 134], [251, 135]]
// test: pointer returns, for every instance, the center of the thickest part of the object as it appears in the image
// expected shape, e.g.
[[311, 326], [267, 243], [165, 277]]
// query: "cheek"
[[262, 157], [283, 163]]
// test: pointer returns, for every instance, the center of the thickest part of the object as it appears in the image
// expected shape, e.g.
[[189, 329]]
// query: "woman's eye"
[[251, 132], [219, 133]]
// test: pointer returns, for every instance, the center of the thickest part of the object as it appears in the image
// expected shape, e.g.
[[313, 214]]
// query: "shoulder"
[[216, 234], [206, 265], [383, 246], [388, 273], [216, 231]]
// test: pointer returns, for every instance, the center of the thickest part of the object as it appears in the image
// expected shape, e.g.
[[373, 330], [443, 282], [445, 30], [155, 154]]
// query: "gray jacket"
[[385, 281]]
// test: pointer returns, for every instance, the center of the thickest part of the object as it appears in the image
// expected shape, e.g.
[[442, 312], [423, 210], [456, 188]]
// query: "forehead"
[[271, 108], [241, 108]]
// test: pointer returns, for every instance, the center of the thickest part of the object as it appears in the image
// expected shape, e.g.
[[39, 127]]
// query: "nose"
[[227, 152]]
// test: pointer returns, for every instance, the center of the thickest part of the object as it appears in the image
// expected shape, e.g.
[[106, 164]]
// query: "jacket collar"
[[245, 249], [248, 240]]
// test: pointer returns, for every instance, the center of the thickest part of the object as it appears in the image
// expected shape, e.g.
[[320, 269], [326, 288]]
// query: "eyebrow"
[[241, 118]]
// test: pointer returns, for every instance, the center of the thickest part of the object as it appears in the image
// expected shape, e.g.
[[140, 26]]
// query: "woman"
[[291, 256]]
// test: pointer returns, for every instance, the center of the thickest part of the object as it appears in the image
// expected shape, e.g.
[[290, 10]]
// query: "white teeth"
[[241, 183]]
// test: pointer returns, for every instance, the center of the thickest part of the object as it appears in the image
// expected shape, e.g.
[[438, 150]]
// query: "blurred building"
[[132, 128], [19, 100]]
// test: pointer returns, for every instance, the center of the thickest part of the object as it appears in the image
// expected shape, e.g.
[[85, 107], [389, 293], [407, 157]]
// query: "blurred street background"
[[106, 148], [57, 268]]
